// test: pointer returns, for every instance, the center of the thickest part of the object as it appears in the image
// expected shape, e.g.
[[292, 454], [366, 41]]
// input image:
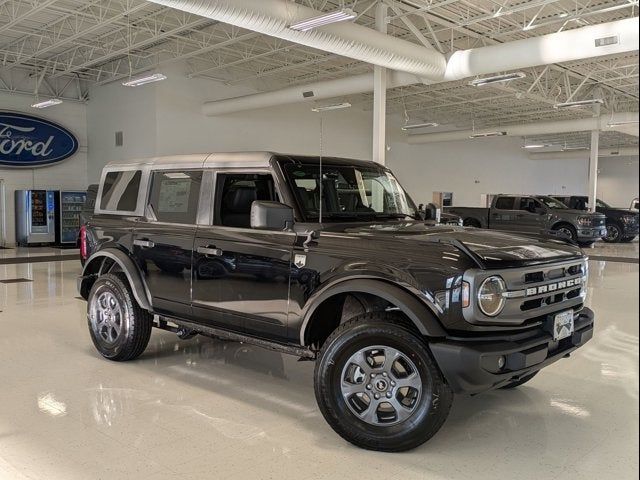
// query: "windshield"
[[349, 193], [601, 204], [552, 202]]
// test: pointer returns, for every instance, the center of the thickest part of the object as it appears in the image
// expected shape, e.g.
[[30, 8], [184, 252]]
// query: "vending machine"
[[68, 208], [35, 217]]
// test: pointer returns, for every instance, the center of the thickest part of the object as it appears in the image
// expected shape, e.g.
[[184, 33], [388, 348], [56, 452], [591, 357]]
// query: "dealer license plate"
[[563, 325]]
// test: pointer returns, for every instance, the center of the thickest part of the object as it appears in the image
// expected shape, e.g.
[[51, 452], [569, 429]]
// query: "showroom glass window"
[[174, 196], [120, 191], [505, 203], [349, 193]]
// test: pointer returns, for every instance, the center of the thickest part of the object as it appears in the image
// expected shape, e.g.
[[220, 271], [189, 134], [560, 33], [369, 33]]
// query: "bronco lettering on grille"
[[552, 287]]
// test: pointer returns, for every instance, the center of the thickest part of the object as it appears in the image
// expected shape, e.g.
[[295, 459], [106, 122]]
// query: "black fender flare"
[[423, 317], [128, 267]]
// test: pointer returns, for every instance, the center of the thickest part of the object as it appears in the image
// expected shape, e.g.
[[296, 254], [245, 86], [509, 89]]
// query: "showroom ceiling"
[[62, 47]]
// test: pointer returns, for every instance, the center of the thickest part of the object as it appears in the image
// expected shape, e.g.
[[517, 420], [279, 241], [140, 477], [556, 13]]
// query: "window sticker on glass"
[[361, 188], [174, 195]]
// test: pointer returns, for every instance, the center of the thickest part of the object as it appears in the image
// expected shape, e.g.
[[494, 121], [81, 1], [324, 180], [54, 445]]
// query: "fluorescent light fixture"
[[324, 19], [536, 145], [507, 77], [569, 149], [47, 103], [137, 82], [415, 126], [488, 134], [335, 106], [620, 124], [579, 103]]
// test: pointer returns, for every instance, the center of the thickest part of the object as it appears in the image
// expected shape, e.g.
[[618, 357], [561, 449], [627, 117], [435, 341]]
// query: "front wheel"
[[568, 231], [119, 328], [614, 233], [377, 385]]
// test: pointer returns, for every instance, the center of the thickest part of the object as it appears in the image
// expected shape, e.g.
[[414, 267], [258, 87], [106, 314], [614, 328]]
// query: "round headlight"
[[490, 299]]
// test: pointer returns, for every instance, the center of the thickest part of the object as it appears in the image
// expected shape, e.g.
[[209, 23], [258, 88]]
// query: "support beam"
[[380, 96], [593, 162]]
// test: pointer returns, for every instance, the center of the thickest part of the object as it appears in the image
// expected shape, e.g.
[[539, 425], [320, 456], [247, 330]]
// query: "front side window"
[[120, 191], [552, 203], [348, 193], [601, 204], [505, 203], [174, 196], [236, 192]]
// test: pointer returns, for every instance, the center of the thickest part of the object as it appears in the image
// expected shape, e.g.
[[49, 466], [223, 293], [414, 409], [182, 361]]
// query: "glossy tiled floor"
[[212, 410]]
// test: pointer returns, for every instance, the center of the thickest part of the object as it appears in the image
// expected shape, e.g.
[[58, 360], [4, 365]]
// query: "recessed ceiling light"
[[137, 82], [507, 77], [47, 103], [579, 103], [335, 106], [415, 126], [324, 19], [488, 134]]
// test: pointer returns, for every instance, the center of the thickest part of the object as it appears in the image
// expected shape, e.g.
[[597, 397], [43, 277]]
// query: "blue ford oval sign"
[[27, 141]]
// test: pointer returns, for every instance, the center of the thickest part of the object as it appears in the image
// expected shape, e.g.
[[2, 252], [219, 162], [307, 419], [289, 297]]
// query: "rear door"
[[241, 275], [163, 241], [503, 214]]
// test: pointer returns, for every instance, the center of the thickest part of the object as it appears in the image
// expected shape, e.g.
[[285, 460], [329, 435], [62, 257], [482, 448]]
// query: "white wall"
[[470, 168], [618, 180], [165, 118], [68, 175]]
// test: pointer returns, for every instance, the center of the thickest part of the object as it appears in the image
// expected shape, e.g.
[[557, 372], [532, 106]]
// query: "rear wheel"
[[614, 233], [377, 385], [119, 328]]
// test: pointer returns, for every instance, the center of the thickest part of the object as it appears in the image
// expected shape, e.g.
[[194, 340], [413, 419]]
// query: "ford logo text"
[[27, 141]]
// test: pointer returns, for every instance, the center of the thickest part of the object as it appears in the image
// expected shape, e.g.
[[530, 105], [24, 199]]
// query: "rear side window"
[[174, 196], [120, 191], [505, 203]]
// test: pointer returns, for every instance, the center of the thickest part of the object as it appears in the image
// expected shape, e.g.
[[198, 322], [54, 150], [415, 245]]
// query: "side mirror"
[[271, 215]]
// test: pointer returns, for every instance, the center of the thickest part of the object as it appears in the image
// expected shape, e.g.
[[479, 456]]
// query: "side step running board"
[[298, 351]]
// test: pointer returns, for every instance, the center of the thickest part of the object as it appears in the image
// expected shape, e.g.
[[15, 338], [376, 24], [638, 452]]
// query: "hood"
[[573, 211], [490, 249]]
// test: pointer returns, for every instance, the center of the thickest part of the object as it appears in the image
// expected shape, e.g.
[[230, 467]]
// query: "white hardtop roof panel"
[[202, 160]]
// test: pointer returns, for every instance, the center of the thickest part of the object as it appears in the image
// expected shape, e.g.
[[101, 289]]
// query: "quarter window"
[[120, 191], [174, 196]]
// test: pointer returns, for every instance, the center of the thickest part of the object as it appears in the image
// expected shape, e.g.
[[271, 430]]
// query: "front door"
[[530, 216], [163, 242], [241, 275], [504, 214]]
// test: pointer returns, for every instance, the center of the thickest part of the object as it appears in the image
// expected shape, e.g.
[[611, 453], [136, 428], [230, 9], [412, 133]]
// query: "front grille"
[[533, 292]]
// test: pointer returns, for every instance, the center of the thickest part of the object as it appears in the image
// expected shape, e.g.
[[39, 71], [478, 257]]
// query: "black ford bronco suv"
[[328, 260]]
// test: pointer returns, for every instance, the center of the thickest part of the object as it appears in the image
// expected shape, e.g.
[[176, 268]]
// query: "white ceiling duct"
[[273, 17], [584, 154], [553, 48], [529, 129], [586, 42]]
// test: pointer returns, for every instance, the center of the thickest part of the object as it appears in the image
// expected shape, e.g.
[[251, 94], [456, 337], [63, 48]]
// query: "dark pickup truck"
[[537, 215], [329, 261], [622, 224]]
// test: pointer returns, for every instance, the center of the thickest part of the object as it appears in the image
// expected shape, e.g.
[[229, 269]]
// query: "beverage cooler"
[[35, 217], [68, 208]]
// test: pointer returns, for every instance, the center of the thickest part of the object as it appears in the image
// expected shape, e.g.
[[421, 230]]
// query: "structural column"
[[593, 162], [380, 96]]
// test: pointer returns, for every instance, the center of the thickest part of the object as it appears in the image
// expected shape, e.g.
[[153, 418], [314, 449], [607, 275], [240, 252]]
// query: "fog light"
[[502, 361]]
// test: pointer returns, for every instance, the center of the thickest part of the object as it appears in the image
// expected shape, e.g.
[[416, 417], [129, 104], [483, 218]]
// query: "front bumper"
[[470, 364], [591, 233]]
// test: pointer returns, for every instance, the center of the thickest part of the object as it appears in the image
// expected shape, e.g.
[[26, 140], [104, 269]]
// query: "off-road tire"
[[136, 323], [387, 329], [628, 239], [517, 383]]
